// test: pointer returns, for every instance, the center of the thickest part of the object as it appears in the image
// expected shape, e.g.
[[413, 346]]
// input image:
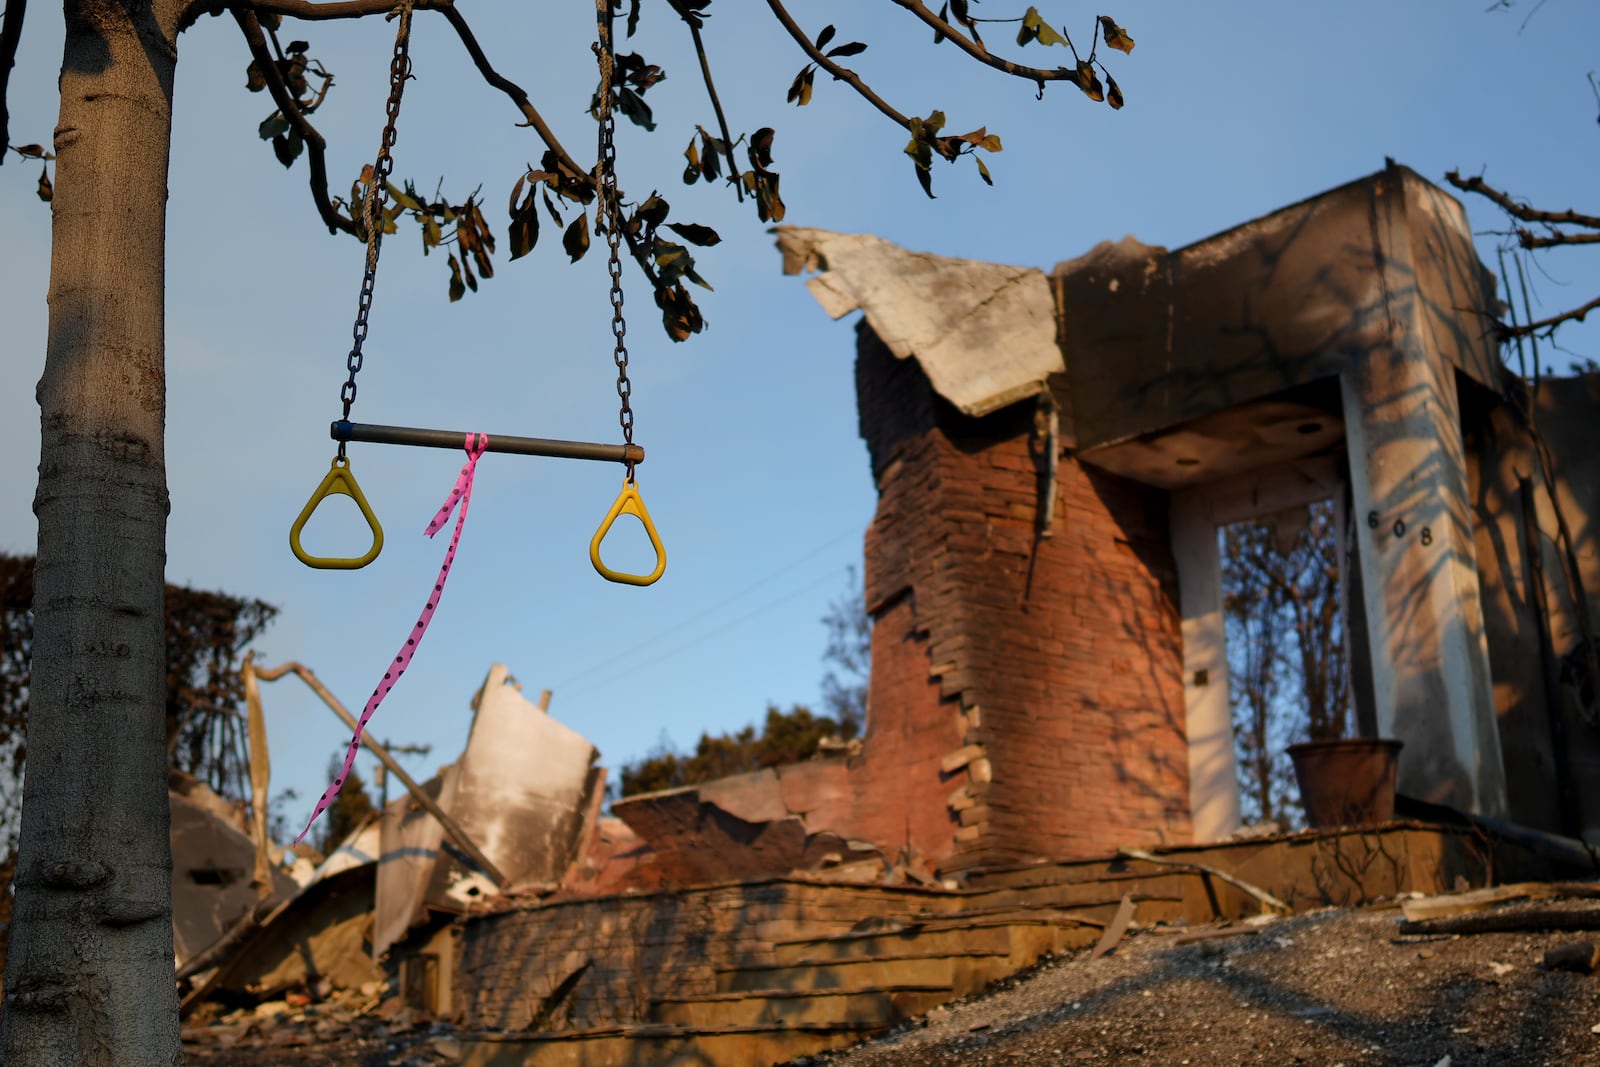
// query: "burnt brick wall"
[[1057, 660], [633, 949]]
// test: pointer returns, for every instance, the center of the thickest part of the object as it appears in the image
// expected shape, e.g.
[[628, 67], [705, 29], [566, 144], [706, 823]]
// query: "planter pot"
[[1347, 782]]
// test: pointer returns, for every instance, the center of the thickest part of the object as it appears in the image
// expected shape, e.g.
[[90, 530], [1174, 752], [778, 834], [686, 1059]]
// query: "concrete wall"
[[1549, 744], [1154, 338]]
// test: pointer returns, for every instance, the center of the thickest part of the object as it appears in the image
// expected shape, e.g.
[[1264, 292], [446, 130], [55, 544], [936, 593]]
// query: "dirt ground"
[[1328, 988]]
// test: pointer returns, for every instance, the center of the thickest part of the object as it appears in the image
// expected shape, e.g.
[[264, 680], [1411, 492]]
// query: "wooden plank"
[[1113, 933], [1446, 904], [1238, 883]]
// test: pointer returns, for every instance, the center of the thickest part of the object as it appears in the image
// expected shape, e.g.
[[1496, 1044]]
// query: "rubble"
[[1048, 762]]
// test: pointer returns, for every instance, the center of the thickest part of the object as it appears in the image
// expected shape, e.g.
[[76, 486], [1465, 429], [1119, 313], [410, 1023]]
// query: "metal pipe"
[[371, 433], [452, 828]]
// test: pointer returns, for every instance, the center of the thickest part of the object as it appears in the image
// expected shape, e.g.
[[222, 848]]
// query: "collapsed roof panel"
[[984, 333]]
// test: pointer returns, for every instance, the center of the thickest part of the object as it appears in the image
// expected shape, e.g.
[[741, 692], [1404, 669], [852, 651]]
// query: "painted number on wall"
[[1399, 528]]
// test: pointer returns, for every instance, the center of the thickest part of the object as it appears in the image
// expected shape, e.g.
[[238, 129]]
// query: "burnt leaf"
[[405, 198], [1113, 93], [633, 17], [524, 232], [672, 261], [31, 151], [550, 206], [770, 207], [458, 288], [633, 69], [273, 125], [825, 36], [761, 148], [47, 191], [800, 89], [695, 234], [710, 159], [294, 75], [650, 214], [692, 11], [920, 147], [1116, 37], [632, 105], [287, 147], [1089, 82], [854, 48], [983, 171], [298, 48], [691, 172], [944, 16], [679, 314], [1035, 28], [576, 238], [254, 80], [567, 182], [981, 138], [474, 235]]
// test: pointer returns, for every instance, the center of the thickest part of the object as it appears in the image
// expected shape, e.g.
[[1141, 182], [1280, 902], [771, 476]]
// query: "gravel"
[[1331, 987]]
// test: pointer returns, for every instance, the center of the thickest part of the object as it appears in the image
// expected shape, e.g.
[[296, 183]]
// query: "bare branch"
[[10, 38], [511, 89], [316, 147], [306, 10], [1521, 211], [1545, 327], [711, 91], [981, 54], [1529, 239], [849, 77], [519, 97]]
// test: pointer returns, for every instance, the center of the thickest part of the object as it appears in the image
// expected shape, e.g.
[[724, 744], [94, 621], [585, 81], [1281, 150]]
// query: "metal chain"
[[372, 213], [613, 220]]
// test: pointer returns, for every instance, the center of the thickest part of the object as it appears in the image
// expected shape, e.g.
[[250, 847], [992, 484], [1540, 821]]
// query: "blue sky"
[[757, 478]]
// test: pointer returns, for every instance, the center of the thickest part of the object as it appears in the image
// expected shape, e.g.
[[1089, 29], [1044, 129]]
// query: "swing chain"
[[612, 213], [372, 213]]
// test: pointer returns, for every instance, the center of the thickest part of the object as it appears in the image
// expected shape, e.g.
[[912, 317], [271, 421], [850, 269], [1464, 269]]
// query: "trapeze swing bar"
[[372, 433]]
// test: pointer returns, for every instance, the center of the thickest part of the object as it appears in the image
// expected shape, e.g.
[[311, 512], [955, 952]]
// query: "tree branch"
[[10, 38], [519, 97], [1546, 325], [1541, 327], [352, 9], [711, 91], [316, 147], [511, 89], [1516, 210], [981, 54], [849, 77], [306, 10], [1529, 239]]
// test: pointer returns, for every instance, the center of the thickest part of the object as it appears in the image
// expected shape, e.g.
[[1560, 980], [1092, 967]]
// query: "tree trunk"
[[90, 975]]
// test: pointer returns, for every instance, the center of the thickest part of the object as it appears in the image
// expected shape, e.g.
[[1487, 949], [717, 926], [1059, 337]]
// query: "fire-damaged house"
[[1049, 739]]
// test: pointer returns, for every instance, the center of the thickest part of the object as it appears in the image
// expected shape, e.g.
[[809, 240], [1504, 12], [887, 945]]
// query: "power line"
[[635, 667], [678, 628]]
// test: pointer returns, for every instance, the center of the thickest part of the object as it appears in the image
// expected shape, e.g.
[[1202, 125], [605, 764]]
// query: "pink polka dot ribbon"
[[462, 493]]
